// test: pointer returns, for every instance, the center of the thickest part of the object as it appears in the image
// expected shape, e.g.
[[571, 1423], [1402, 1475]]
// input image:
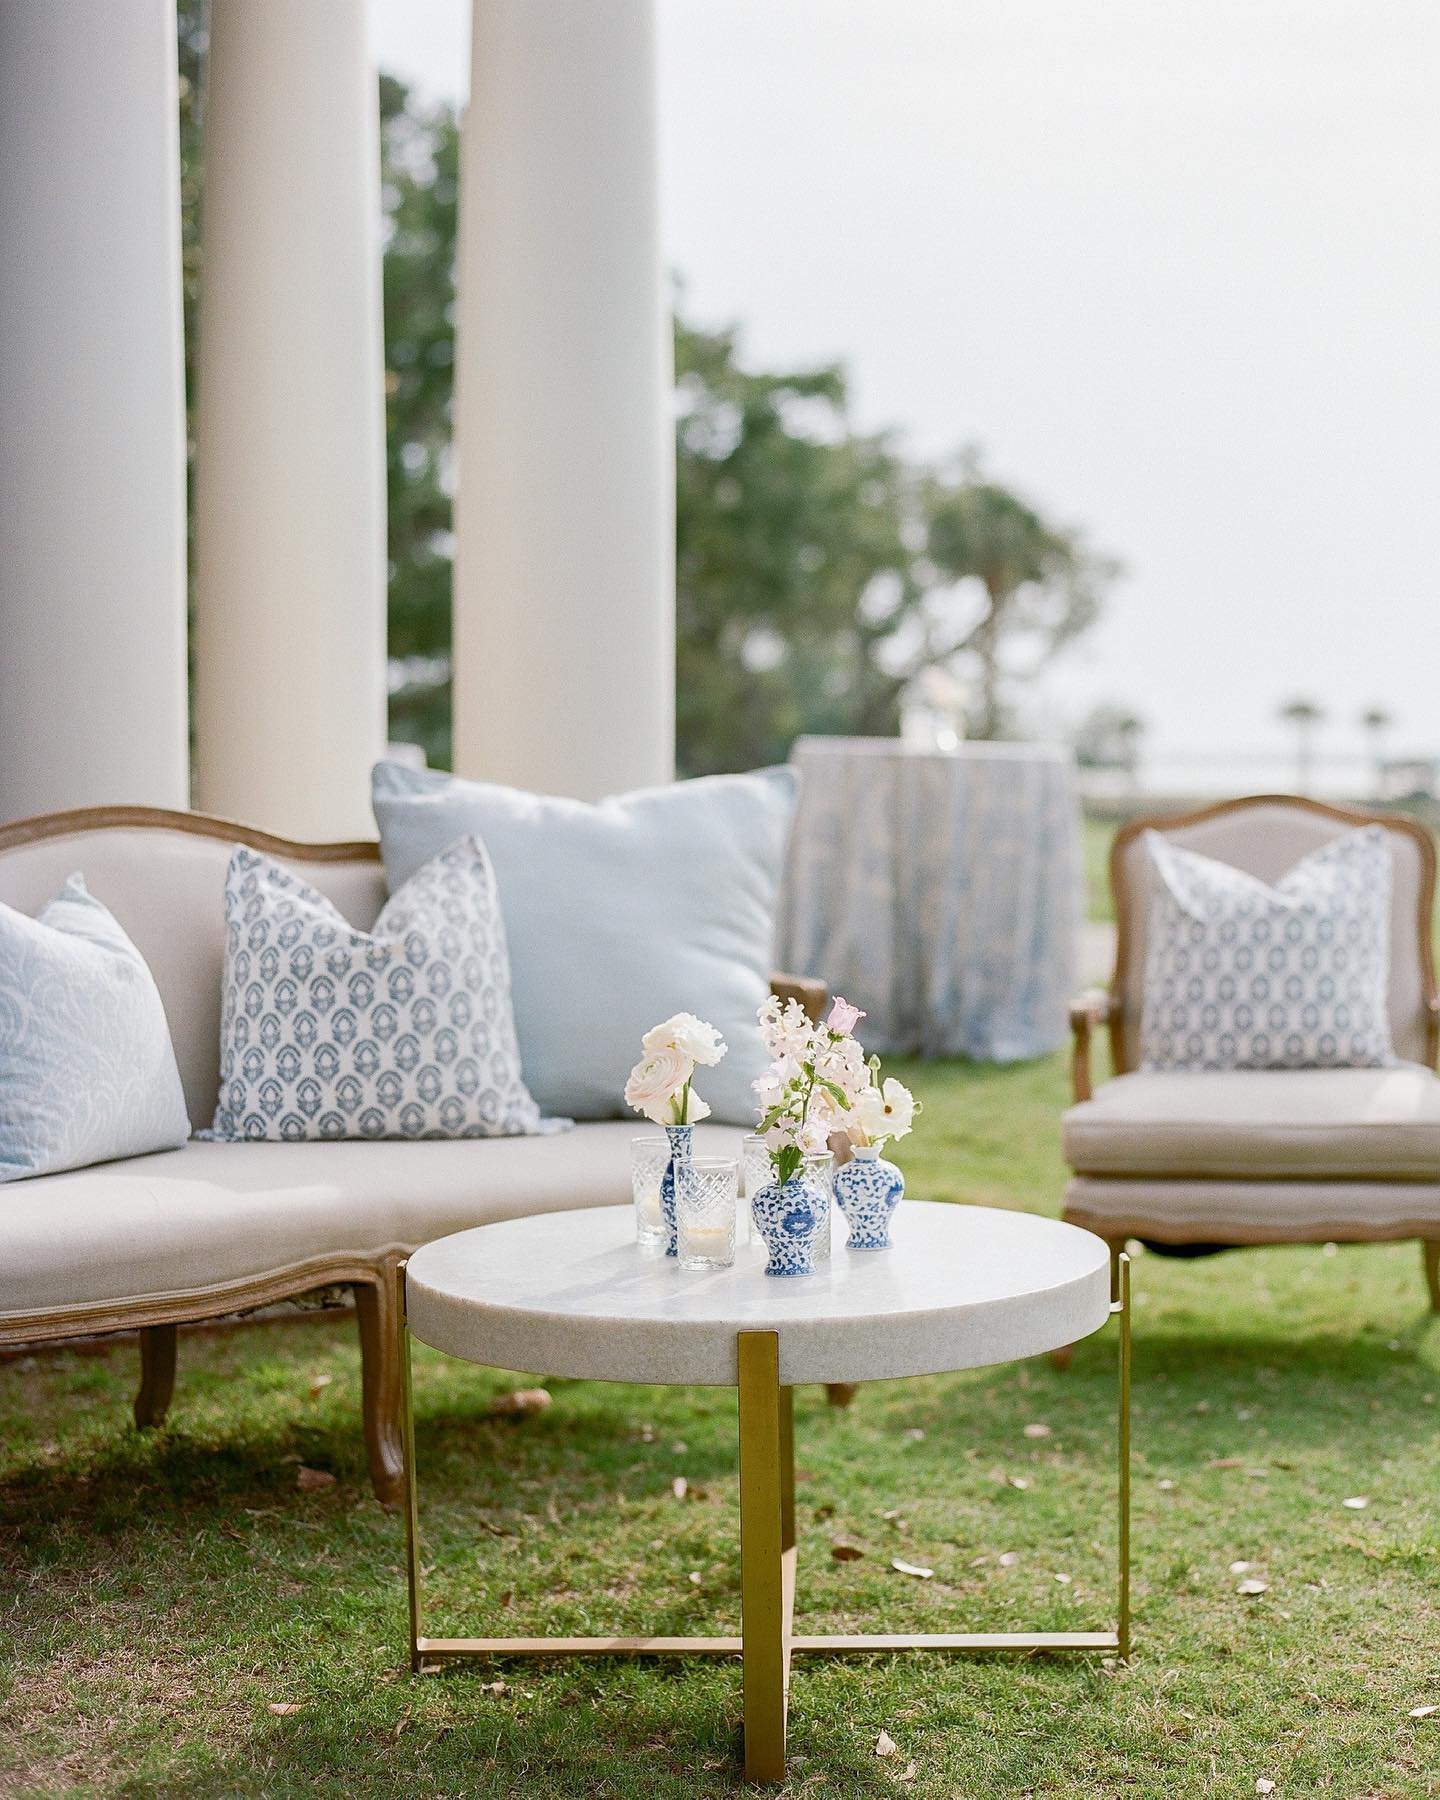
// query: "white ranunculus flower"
[[884, 1112], [657, 1081], [696, 1110], [692, 1037]]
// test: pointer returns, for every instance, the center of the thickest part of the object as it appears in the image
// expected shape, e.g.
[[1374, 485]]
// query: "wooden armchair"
[[1261, 1157]]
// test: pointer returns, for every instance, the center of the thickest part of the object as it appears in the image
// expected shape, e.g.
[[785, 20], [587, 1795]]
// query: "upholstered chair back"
[[1265, 836], [162, 874]]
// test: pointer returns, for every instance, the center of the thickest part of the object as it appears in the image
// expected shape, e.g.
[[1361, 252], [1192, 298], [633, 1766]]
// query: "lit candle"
[[713, 1242]]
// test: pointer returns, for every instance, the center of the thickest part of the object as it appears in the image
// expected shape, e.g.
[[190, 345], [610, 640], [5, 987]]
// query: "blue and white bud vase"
[[868, 1189], [789, 1218], [682, 1142]]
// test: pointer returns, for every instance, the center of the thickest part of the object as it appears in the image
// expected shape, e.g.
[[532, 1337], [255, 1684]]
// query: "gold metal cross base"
[[768, 1640]]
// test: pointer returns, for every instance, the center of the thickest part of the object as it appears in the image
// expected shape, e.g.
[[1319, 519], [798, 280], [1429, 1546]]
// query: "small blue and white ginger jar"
[[682, 1150], [868, 1189], [789, 1217]]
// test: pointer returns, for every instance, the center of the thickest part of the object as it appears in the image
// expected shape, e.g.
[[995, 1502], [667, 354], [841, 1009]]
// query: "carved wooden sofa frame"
[[371, 1277]]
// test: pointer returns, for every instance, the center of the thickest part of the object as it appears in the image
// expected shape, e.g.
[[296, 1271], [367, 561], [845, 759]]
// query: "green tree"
[[420, 173], [1041, 586], [1304, 717], [793, 568]]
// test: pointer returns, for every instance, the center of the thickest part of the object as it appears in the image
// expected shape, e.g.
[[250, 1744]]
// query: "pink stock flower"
[[843, 1017]]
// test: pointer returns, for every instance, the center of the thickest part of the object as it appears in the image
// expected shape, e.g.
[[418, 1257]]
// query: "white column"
[[289, 461], [92, 419], [564, 578]]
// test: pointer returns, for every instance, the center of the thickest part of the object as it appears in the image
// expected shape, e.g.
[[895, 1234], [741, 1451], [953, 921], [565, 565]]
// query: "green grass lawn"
[[160, 1593]]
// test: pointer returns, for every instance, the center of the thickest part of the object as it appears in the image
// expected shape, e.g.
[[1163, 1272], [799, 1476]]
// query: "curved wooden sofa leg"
[[1431, 1248], [841, 1393], [377, 1304], [157, 1374]]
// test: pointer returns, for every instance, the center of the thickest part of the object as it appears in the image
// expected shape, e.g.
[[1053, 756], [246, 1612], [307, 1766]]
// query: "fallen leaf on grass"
[[281, 1707], [1037, 1431], [1008, 1559], [1165, 1485], [695, 1578], [905, 1568], [1020, 1481], [1250, 1586], [1357, 1502], [844, 1551], [885, 1745], [1064, 1580], [915, 1434], [1264, 1785], [1226, 1462], [522, 1403], [307, 1480], [679, 1487], [1239, 1568], [495, 1687], [1424, 1712], [908, 1773], [318, 1385]]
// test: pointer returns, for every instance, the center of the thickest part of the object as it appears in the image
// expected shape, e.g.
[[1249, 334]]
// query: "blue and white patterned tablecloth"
[[941, 892]]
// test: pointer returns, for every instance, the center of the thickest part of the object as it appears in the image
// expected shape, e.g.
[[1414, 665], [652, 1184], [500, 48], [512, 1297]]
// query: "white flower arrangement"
[[819, 1083], [659, 1085]]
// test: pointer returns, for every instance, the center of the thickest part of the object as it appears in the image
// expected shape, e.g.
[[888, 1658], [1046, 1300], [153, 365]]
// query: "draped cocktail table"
[[570, 1294]]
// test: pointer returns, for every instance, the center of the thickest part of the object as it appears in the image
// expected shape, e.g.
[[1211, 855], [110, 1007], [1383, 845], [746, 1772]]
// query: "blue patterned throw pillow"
[[406, 1031], [1241, 975], [87, 1069]]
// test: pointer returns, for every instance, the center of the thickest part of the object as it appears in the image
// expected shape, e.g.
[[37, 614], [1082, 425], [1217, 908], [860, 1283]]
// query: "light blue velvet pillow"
[[87, 1069], [617, 916]]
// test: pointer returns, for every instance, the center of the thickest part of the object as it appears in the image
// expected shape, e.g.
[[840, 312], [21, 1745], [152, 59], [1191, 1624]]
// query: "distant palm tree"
[[1304, 716], [1376, 723]]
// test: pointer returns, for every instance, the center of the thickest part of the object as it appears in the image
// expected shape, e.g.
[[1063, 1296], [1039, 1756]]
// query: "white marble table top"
[[571, 1294]]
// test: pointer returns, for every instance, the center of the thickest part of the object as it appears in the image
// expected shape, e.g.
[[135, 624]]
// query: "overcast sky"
[[1176, 269]]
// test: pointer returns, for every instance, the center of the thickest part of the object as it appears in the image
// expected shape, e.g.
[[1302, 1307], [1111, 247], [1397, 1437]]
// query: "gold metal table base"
[[768, 1640]]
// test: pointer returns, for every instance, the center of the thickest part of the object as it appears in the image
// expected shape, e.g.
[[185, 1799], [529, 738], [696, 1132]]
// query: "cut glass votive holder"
[[707, 1194], [756, 1172], [821, 1169], [648, 1157]]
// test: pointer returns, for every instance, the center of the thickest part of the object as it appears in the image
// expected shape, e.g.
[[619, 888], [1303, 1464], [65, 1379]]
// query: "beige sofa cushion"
[[1254, 1212], [192, 1221], [1327, 1124]]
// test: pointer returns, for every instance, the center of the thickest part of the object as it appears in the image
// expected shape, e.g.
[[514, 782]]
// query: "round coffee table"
[[571, 1294]]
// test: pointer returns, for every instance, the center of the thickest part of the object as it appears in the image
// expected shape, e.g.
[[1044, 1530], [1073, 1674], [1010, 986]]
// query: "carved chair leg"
[[1431, 1248], [157, 1374], [378, 1309], [841, 1393]]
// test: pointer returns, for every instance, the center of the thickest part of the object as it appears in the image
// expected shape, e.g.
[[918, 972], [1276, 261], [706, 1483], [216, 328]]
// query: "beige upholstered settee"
[[1261, 1157], [155, 1241]]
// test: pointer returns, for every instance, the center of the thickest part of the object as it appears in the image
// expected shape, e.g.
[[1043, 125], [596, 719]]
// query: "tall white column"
[[564, 616], [92, 417], [289, 459]]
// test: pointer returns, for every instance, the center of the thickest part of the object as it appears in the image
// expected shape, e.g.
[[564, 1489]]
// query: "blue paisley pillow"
[[87, 1069], [1242, 975], [403, 1032]]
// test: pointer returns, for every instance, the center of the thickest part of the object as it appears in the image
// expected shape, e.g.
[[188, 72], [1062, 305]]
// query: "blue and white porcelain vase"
[[682, 1148], [789, 1216], [868, 1189]]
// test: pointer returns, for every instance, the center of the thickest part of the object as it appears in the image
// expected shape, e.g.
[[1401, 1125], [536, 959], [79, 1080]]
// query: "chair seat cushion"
[[196, 1220], [1287, 1124]]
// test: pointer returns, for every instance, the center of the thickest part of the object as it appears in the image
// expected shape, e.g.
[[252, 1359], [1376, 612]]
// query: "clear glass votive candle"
[[756, 1171], [821, 1169], [648, 1157], [706, 1196]]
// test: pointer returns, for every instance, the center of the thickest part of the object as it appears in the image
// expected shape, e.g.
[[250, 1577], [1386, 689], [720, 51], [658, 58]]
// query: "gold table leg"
[[767, 1550], [767, 1559]]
